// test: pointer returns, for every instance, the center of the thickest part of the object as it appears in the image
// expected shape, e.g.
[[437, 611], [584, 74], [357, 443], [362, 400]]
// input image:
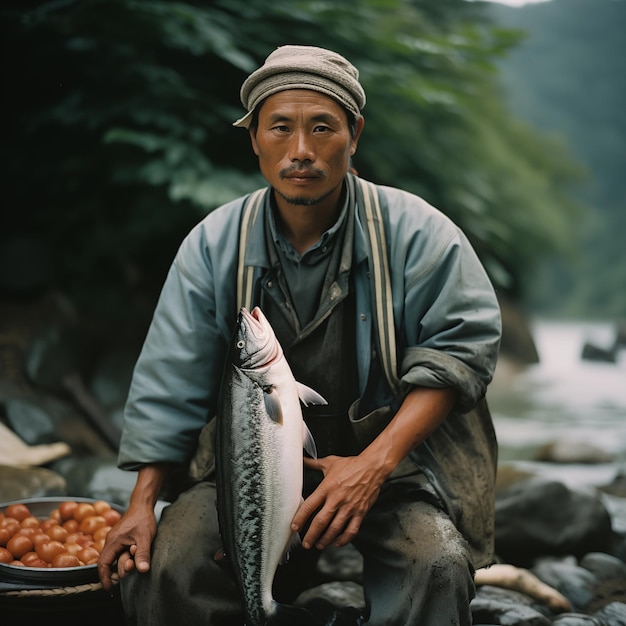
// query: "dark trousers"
[[416, 565]]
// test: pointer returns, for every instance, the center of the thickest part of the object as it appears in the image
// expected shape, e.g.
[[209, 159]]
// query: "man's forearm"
[[419, 415]]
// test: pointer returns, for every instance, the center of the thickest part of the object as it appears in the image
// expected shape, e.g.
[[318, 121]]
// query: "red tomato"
[[66, 509], [47, 551], [65, 560], [17, 511], [100, 506], [30, 521], [101, 533], [111, 516], [19, 545], [5, 556], [88, 555], [71, 525], [47, 523], [90, 524], [57, 533], [83, 510]]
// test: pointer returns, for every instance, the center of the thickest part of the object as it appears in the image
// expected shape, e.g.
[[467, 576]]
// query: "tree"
[[119, 133]]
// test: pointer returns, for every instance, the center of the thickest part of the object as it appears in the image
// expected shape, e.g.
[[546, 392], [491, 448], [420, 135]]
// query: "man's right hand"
[[129, 542]]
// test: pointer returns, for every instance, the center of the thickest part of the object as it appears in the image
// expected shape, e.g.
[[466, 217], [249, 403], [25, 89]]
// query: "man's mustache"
[[301, 169]]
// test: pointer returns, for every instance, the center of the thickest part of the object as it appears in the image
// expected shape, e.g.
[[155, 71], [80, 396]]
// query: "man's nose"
[[301, 148]]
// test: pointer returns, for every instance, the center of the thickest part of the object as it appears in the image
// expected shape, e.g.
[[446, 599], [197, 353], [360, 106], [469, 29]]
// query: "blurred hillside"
[[567, 78]]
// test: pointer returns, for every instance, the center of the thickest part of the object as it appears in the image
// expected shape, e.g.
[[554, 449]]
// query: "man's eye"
[[282, 129], [321, 129]]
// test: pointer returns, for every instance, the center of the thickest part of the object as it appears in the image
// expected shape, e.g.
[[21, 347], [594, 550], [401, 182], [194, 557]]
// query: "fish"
[[260, 442]]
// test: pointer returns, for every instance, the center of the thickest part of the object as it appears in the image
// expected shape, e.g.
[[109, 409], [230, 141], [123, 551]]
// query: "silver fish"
[[259, 449]]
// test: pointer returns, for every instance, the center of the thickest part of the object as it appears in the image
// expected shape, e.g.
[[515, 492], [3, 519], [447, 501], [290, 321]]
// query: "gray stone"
[[539, 517], [20, 483], [604, 566], [613, 614], [494, 605], [576, 583]]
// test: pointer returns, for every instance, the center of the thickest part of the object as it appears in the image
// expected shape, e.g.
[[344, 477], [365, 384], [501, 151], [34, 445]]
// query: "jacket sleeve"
[[175, 384], [450, 313]]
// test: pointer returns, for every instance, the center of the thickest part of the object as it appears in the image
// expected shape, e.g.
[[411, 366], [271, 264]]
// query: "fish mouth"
[[264, 348]]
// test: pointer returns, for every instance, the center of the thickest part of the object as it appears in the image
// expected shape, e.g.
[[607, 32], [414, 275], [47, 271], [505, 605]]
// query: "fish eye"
[[240, 344]]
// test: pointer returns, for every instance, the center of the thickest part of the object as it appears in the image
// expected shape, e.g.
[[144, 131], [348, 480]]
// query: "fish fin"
[[294, 543], [308, 395], [308, 443], [272, 405]]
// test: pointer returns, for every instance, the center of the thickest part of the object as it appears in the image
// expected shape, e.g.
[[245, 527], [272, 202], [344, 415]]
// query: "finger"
[[320, 525], [329, 532], [125, 564], [306, 510], [314, 464], [349, 533]]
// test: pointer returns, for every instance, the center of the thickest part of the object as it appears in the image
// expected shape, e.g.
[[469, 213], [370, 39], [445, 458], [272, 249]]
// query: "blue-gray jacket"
[[447, 324]]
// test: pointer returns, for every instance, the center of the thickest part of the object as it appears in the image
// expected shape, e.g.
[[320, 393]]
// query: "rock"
[[517, 342], [573, 452], [613, 614], [593, 352], [344, 563], [33, 482], [604, 566], [539, 517], [576, 583], [493, 605], [576, 619], [325, 599]]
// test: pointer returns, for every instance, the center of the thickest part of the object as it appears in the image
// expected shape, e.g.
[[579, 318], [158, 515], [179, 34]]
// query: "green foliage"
[[121, 132]]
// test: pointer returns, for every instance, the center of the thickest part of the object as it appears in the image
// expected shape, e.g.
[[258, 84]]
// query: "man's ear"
[[255, 147], [355, 140]]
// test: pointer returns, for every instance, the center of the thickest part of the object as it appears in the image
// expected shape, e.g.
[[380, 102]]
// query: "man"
[[406, 446]]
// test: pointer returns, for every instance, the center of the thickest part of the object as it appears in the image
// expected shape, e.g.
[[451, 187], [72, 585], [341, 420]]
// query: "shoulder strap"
[[382, 296], [245, 274]]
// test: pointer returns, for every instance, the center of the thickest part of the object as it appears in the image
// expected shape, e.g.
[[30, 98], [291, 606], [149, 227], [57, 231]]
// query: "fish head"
[[255, 344]]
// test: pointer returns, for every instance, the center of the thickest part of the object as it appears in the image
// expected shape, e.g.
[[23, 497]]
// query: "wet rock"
[[19, 483], [604, 566], [576, 619], [493, 605], [517, 340], [573, 452], [540, 517], [613, 614], [344, 563], [576, 583], [325, 599]]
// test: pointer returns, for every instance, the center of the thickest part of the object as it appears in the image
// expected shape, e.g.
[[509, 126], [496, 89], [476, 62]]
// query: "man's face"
[[304, 146]]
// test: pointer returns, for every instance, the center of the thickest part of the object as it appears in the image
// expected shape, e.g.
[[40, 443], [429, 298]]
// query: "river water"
[[565, 398]]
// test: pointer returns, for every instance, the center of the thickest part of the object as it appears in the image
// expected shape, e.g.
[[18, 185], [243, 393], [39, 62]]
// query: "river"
[[564, 398]]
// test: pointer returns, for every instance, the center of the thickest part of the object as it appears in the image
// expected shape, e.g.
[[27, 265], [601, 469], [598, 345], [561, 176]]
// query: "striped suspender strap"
[[382, 301], [245, 274]]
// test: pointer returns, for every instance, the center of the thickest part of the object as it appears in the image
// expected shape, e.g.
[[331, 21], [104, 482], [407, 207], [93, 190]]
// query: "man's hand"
[[351, 485], [128, 543], [338, 505]]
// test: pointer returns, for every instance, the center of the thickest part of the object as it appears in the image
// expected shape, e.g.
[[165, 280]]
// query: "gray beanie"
[[303, 67]]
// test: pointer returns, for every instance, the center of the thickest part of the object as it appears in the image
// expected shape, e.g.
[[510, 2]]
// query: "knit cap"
[[303, 67]]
